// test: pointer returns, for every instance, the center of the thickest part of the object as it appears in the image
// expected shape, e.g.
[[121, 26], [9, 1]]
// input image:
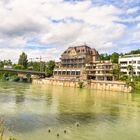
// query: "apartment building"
[[100, 71], [133, 60]]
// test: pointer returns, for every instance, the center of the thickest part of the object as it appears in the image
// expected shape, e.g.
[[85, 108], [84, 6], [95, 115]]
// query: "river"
[[30, 110]]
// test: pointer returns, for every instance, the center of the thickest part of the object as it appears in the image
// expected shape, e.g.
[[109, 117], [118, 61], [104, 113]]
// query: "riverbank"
[[90, 84]]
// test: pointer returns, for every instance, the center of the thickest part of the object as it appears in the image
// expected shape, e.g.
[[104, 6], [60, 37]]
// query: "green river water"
[[30, 110]]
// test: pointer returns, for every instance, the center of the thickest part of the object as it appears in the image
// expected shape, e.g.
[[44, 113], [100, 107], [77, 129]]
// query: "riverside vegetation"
[[3, 129]]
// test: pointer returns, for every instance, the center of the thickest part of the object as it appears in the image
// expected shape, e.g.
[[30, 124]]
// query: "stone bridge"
[[29, 74]]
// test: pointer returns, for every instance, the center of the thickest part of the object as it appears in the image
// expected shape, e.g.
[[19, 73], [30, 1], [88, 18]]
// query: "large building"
[[133, 60], [74, 60], [77, 57], [83, 62]]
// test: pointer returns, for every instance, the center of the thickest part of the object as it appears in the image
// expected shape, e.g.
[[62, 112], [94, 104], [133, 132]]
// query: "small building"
[[100, 71], [133, 60], [7, 67]]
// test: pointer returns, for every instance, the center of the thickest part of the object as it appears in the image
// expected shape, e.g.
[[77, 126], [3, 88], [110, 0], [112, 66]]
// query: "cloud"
[[132, 10], [56, 24]]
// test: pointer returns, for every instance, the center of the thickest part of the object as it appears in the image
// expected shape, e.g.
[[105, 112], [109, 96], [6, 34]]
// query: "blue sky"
[[47, 27]]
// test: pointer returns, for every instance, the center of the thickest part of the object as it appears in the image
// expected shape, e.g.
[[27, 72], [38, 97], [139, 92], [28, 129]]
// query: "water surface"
[[30, 110]]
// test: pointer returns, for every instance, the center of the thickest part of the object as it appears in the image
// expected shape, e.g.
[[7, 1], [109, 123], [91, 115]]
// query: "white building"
[[133, 60]]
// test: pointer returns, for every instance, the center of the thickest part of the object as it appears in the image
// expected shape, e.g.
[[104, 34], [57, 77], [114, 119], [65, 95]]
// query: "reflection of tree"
[[20, 94], [20, 97], [76, 105], [49, 98], [114, 111]]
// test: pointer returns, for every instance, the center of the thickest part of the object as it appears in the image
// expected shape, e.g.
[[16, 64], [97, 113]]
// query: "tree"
[[114, 57], [50, 67], [134, 52], [37, 66], [117, 71], [124, 77], [23, 60], [105, 56], [130, 70], [17, 66], [5, 62]]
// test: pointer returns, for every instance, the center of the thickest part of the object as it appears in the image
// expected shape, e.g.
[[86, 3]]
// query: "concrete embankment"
[[97, 85]]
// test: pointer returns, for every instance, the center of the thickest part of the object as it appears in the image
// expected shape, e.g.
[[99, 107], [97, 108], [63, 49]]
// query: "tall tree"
[[23, 60], [50, 67], [114, 57]]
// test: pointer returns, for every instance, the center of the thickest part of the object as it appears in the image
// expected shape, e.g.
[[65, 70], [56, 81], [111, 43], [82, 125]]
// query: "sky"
[[47, 27]]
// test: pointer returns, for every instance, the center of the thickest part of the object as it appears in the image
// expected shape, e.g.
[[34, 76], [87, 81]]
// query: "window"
[[123, 62], [77, 72]]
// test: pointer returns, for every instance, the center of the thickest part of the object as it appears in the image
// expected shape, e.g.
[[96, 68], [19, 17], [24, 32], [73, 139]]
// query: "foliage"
[[133, 81], [114, 57], [23, 60], [117, 72], [5, 62], [2, 129], [134, 52], [18, 66], [50, 67], [130, 69], [81, 84], [14, 78], [105, 56], [37, 66], [11, 138], [124, 77]]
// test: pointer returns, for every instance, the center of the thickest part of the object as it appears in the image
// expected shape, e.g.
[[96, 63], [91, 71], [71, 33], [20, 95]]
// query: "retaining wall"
[[98, 85]]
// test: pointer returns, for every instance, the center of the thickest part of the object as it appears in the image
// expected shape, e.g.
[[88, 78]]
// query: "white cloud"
[[77, 22], [132, 10]]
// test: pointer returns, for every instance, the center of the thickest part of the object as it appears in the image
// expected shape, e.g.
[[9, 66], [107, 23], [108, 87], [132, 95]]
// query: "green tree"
[[37, 66], [134, 52], [50, 67], [17, 66], [117, 72], [105, 56], [130, 70], [114, 57], [124, 77], [23, 60]]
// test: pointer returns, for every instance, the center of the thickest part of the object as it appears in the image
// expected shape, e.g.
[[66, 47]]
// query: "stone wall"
[[97, 85], [110, 86]]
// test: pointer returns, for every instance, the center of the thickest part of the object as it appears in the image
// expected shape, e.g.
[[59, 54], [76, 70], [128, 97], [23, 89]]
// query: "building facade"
[[83, 62], [77, 57], [133, 60], [100, 71], [74, 60]]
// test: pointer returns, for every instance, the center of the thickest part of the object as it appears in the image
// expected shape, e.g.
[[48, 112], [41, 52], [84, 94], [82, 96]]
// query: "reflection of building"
[[100, 71], [74, 59], [133, 60]]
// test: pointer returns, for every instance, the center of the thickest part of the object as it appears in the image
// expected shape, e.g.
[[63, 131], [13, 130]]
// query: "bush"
[[124, 77], [81, 84]]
